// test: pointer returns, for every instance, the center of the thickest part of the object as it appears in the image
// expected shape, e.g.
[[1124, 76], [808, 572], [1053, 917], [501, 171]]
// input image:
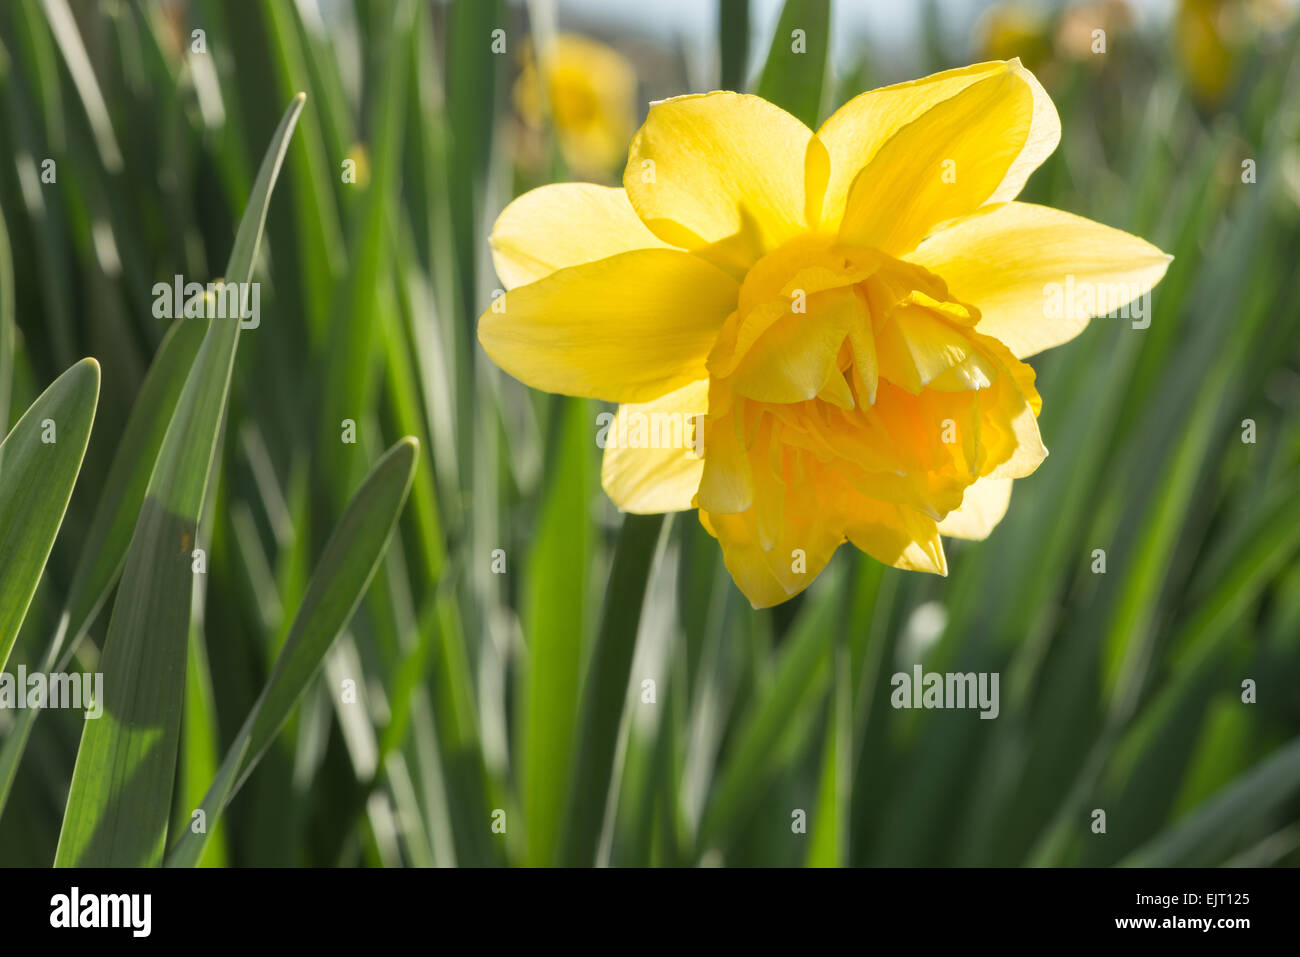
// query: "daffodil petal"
[[916, 347], [982, 507], [1026, 267], [1044, 137], [944, 164], [727, 484], [793, 359], [561, 225], [898, 536], [722, 173], [857, 130], [664, 474], [629, 328], [1026, 442], [769, 576], [745, 560], [810, 264]]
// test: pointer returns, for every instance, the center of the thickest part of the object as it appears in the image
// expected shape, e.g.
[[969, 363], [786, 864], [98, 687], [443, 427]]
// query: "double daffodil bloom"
[[844, 312]]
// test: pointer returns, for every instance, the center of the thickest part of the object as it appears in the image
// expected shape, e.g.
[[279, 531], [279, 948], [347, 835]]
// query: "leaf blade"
[[36, 480], [795, 71], [119, 801], [339, 583]]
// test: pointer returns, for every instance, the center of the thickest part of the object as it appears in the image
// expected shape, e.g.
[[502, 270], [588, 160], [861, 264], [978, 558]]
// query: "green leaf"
[[472, 77], [796, 63], [120, 797], [64, 27], [555, 622], [349, 366], [1215, 830], [8, 332], [104, 547], [199, 747], [800, 675], [39, 462], [337, 587], [830, 823], [605, 691], [319, 234], [733, 42]]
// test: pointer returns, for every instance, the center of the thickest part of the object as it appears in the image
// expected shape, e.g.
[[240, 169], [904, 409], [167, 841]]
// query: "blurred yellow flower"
[[1015, 28], [1213, 37], [1201, 32], [1089, 29], [589, 93], [843, 313]]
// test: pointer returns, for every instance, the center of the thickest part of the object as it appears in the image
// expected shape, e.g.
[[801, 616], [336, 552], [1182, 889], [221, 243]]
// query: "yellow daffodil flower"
[[844, 314], [1214, 37], [1015, 28], [1203, 34], [589, 92]]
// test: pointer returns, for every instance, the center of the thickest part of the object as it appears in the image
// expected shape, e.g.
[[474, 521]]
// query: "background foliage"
[[522, 693]]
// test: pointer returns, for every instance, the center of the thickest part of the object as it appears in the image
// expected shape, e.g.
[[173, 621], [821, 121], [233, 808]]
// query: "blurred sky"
[[891, 28]]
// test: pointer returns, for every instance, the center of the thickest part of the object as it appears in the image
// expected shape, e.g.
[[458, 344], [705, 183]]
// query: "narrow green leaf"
[[733, 42], [337, 587], [64, 27], [605, 689], [349, 365], [39, 462], [8, 332], [555, 622], [830, 824], [120, 797], [104, 547], [199, 747], [472, 76], [1215, 830], [319, 232], [796, 63], [804, 667]]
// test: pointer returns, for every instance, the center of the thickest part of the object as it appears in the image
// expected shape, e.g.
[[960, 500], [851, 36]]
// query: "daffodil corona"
[[843, 312]]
